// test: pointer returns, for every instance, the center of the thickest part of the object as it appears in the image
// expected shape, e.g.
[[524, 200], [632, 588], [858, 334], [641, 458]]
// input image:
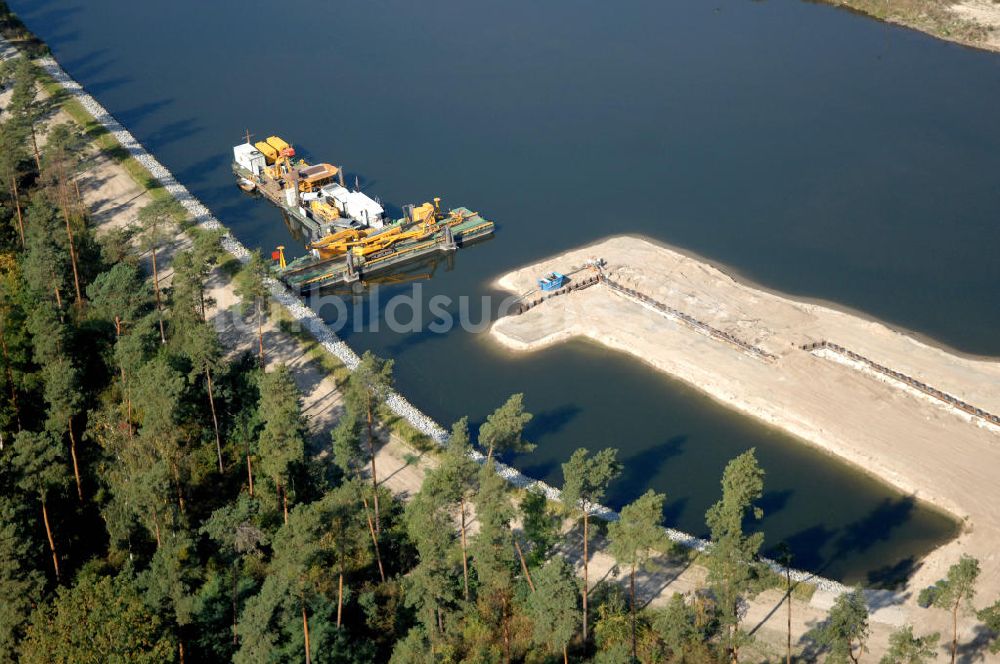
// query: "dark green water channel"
[[817, 152]]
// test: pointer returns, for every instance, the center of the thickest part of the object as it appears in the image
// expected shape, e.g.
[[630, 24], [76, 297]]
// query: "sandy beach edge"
[[809, 436]]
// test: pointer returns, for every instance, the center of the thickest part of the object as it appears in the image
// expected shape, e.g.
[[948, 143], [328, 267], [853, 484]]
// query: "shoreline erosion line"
[[397, 403]]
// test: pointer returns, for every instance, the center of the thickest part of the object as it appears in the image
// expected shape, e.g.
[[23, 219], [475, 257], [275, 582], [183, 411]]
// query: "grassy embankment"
[[934, 17]]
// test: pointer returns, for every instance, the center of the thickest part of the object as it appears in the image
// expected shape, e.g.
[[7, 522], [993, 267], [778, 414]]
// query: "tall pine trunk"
[[284, 500], [215, 419], [632, 608], [260, 335], [52, 542], [76, 465], [17, 206], [125, 388], [249, 470], [524, 564], [586, 570], [34, 145], [340, 595], [465, 554], [371, 451], [159, 303], [72, 258], [156, 527], [371, 529], [788, 586], [305, 631], [954, 631], [81, 208], [177, 483]]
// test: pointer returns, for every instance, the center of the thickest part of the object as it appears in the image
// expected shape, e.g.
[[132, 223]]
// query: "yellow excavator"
[[423, 222]]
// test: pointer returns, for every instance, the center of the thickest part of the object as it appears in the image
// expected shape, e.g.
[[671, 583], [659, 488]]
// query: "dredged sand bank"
[[913, 441]]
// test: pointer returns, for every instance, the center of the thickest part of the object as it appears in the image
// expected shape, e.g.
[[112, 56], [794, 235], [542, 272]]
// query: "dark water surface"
[[817, 152]]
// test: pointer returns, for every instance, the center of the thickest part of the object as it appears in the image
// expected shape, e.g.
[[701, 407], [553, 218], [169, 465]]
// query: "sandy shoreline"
[[917, 445]]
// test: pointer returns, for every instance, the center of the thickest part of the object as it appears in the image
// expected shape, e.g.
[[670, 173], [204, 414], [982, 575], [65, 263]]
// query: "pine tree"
[[156, 220], [59, 378], [282, 440], [368, 386], [430, 586], [120, 295], [292, 616], [990, 616], [905, 648], [235, 529], [502, 432], [12, 158], [954, 593], [734, 569], [846, 629], [158, 394], [192, 269], [541, 527], [39, 469], [492, 557], [97, 621], [345, 536], [169, 585], [59, 172], [634, 536], [585, 480], [251, 287], [349, 457], [553, 607], [453, 482], [684, 635], [15, 351], [21, 585], [200, 344], [44, 263], [25, 108]]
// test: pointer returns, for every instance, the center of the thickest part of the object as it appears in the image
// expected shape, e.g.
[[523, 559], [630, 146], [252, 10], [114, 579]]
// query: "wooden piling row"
[[903, 378], [691, 321], [522, 307]]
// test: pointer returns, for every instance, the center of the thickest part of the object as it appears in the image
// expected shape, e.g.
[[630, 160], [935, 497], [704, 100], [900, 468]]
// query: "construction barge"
[[351, 237]]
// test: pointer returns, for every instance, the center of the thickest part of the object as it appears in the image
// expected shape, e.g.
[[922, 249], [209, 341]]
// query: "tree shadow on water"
[[892, 576], [673, 511], [550, 421], [877, 526], [642, 468], [807, 547], [546, 422], [130, 116], [773, 502], [107, 84], [810, 546]]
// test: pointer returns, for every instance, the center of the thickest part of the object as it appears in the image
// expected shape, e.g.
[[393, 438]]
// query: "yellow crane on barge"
[[424, 220]]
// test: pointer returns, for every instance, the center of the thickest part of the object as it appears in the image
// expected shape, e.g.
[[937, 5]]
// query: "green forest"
[[163, 501]]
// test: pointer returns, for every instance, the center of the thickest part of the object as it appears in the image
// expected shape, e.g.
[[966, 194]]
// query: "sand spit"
[[920, 444]]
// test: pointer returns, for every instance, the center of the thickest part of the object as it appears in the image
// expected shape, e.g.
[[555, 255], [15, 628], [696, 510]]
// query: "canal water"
[[816, 152]]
